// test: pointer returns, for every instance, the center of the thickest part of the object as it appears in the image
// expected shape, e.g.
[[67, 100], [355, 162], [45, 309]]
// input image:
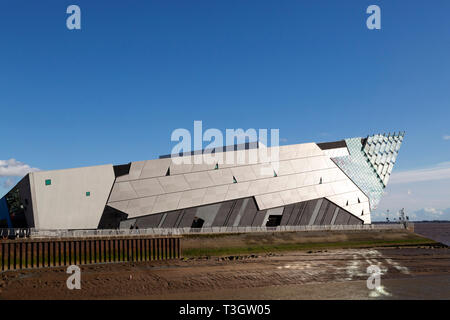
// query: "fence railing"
[[41, 233], [290, 228], [13, 233]]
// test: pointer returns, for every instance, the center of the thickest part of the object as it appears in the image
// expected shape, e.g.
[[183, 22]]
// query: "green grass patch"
[[250, 249]]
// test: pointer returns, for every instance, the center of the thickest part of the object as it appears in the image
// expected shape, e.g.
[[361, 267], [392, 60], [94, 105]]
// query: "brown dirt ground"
[[419, 272]]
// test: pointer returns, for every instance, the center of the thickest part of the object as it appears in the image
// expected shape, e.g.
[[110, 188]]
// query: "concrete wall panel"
[[321, 213], [289, 196], [243, 174], [154, 168], [122, 191], [237, 190], [263, 170], [198, 180], [285, 168], [75, 199], [140, 207], [166, 202], [174, 183], [221, 176], [328, 216], [269, 200], [191, 198], [231, 219], [208, 214], [135, 172], [187, 218], [286, 214], [279, 183], [259, 218], [301, 165], [222, 215], [180, 168], [151, 221], [258, 186], [171, 219], [215, 194], [147, 187], [120, 205], [249, 214]]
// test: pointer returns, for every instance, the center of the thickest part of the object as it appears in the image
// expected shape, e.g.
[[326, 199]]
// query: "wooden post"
[[20, 255], [26, 255], [14, 255], [110, 250], [9, 256], [38, 254], [2, 248], [48, 255]]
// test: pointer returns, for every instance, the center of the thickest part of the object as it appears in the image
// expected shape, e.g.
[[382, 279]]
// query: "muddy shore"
[[407, 273]]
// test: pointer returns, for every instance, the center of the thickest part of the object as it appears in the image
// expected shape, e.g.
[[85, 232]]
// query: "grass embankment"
[[232, 244]]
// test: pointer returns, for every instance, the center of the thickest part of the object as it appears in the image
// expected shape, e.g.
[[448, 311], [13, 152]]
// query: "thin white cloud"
[[446, 137], [438, 172], [14, 168], [431, 214], [8, 183], [433, 211], [428, 213]]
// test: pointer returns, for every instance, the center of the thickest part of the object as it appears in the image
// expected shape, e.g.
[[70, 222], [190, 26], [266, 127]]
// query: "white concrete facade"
[[303, 172], [74, 199], [77, 198]]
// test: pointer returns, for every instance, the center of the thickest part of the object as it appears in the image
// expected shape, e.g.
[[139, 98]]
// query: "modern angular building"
[[333, 183]]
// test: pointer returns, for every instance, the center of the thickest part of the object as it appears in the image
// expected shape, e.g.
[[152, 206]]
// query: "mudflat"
[[421, 272]]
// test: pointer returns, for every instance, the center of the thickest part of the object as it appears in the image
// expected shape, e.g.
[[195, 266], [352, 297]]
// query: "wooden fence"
[[43, 253]]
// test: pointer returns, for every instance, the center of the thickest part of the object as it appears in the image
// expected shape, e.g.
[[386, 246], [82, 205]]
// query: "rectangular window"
[[48, 182], [88, 194]]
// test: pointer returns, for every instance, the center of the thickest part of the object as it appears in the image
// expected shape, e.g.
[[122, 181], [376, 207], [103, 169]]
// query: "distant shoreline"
[[411, 221]]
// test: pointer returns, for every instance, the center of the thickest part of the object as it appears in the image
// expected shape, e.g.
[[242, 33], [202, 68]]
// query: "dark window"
[[274, 220], [3, 223], [122, 169], [197, 223], [16, 209], [332, 145]]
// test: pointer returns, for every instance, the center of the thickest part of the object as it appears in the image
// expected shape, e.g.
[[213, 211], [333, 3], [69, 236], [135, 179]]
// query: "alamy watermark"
[[234, 144], [374, 20], [73, 21], [374, 280], [74, 280]]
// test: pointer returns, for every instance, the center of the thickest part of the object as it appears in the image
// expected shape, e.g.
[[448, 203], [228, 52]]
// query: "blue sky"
[[114, 91]]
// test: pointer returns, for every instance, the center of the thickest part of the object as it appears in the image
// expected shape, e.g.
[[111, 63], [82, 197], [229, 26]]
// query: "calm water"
[[436, 231]]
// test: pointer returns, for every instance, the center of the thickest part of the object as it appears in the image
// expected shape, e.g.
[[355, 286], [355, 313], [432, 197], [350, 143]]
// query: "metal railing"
[[14, 233], [290, 228], [42, 233]]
